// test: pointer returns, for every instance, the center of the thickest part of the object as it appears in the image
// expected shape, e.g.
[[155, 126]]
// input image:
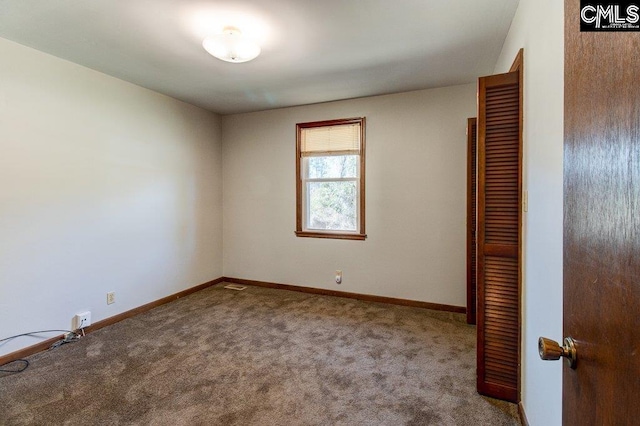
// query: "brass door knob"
[[550, 350]]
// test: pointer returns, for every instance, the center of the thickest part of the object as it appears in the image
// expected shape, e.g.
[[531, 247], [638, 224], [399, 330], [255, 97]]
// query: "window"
[[330, 179]]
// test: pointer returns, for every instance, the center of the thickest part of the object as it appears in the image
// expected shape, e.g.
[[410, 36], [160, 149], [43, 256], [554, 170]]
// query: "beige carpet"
[[260, 357]]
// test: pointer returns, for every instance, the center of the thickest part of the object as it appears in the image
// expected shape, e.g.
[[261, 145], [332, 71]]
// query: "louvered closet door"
[[471, 218], [498, 269]]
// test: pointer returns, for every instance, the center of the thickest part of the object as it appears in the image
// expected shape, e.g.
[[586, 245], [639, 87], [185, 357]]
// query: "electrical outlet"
[[338, 277], [111, 298], [82, 320]]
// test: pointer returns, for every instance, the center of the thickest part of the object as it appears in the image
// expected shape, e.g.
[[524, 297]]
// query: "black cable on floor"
[[69, 338], [19, 370]]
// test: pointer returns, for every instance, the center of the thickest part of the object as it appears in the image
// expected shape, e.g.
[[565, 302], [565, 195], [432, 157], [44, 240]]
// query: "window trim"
[[343, 235]]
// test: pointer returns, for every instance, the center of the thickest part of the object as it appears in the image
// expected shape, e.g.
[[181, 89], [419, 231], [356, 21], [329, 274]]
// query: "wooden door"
[[601, 224], [472, 169], [498, 237]]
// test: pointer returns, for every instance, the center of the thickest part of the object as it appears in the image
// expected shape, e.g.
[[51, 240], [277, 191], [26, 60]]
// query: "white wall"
[[104, 186], [542, 37], [415, 198]]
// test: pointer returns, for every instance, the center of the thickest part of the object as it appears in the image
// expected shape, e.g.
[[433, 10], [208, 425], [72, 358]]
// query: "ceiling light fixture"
[[231, 46]]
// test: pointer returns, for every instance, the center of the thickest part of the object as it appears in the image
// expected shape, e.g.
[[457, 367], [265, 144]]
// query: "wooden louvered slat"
[[497, 349], [501, 153], [501, 137], [499, 331], [502, 166], [501, 99], [501, 373], [498, 239], [502, 367], [502, 338], [502, 314], [471, 219], [500, 278], [498, 367]]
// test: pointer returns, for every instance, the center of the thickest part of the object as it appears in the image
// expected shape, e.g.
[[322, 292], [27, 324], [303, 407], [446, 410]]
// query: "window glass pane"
[[332, 205], [335, 166]]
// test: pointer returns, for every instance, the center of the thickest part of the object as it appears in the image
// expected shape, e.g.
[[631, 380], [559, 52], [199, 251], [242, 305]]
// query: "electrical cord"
[[81, 326], [19, 370], [70, 337], [35, 332]]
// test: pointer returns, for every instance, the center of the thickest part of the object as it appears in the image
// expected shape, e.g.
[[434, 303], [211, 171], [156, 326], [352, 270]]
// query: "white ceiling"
[[312, 50]]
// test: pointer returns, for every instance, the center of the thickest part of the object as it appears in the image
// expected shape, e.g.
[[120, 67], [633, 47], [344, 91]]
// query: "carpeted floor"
[[260, 357]]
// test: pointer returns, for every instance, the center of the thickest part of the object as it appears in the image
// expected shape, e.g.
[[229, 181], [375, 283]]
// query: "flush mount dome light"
[[231, 46]]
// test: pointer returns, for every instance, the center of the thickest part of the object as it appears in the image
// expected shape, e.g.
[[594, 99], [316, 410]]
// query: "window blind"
[[342, 139]]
